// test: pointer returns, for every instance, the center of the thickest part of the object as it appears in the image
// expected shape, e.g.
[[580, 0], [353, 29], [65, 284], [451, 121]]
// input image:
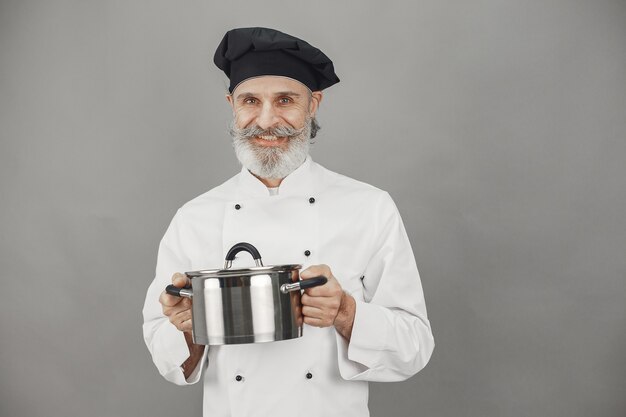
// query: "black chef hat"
[[251, 52]]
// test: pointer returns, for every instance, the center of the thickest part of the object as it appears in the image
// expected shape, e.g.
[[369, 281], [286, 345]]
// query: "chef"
[[367, 323]]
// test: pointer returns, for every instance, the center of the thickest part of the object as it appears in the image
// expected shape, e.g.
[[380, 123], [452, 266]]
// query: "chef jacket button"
[[309, 375], [311, 200], [239, 378], [307, 253], [237, 206]]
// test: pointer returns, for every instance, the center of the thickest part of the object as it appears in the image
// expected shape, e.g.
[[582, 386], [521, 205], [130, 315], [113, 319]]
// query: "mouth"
[[270, 140]]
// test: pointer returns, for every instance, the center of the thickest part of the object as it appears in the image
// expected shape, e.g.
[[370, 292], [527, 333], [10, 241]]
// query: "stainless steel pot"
[[246, 305]]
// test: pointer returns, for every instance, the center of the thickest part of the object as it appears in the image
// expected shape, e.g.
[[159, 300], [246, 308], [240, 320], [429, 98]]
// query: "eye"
[[285, 100], [250, 100]]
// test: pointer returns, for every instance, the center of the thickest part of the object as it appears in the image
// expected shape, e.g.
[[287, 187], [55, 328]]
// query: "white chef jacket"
[[354, 228]]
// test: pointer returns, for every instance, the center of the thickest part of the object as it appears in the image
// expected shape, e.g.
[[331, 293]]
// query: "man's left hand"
[[327, 305]]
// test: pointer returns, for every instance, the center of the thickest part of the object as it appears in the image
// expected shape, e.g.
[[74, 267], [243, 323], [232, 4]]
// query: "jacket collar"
[[303, 181]]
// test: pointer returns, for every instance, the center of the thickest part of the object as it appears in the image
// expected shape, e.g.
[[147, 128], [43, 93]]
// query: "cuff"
[[175, 351], [357, 358], [197, 373]]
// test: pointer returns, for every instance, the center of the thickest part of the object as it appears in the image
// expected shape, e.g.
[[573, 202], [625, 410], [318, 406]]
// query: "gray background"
[[497, 126]]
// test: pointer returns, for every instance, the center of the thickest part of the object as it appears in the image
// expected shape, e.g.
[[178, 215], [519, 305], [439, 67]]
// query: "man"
[[367, 323]]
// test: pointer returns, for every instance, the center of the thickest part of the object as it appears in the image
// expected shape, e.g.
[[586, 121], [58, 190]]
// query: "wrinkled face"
[[272, 124]]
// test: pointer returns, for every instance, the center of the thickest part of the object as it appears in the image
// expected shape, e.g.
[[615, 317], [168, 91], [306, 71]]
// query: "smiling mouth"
[[270, 140]]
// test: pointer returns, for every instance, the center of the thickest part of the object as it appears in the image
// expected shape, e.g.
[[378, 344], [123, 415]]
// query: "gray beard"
[[271, 162]]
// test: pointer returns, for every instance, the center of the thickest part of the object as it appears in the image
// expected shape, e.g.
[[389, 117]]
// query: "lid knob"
[[239, 247]]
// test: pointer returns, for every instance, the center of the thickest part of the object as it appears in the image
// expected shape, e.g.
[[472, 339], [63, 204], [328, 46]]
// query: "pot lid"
[[255, 270], [259, 269]]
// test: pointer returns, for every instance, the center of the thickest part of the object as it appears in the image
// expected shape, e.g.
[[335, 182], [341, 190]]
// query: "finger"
[[183, 305], [169, 300], [179, 319], [312, 312], [185, 326], [315, 322], [319, 302], [326, 312], [186, 303], [183, 315], [330, 290]]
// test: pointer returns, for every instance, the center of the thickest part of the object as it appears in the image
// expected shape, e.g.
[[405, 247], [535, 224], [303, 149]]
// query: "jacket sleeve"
[[165, 342], [391, 337]]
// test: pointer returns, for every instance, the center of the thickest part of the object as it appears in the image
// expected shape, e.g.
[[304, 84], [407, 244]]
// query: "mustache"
[[255, 130]]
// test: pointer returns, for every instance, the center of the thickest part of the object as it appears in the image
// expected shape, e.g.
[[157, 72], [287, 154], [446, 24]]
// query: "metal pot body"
[[246, 305], [246, 308]]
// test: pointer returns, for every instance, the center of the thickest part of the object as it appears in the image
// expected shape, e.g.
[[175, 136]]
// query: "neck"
[[270, 182]]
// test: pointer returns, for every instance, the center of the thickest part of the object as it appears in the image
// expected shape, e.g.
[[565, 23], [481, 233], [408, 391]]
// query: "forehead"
[[270, 85]]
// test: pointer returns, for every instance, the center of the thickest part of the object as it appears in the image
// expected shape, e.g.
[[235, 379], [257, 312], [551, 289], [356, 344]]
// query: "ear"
[[316, 99], [230, 100]]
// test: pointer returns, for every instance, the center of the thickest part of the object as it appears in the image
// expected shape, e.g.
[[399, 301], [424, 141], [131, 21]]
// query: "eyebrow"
[[281, 93]]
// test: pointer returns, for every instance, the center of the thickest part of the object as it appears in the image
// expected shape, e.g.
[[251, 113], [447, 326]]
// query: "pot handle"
[[303, 284], [179, 292], [242, 246]]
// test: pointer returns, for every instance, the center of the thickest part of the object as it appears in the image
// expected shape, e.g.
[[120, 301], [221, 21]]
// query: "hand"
[[320, 305], [177, 309]]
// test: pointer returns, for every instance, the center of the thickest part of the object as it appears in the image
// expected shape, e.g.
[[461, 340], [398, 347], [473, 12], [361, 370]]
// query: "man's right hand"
[[177, 309]]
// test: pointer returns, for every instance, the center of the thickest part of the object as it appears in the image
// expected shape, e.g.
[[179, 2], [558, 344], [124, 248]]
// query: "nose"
[[267, 117]]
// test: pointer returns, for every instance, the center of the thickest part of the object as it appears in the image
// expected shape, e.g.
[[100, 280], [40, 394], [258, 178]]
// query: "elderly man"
[[367, 323]]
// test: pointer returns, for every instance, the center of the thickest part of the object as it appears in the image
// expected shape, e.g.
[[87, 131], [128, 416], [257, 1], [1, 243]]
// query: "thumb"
[[180, 280], [316, 271]]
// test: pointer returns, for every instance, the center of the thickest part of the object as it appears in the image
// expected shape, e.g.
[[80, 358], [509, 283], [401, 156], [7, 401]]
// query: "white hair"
[[273, 162]]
